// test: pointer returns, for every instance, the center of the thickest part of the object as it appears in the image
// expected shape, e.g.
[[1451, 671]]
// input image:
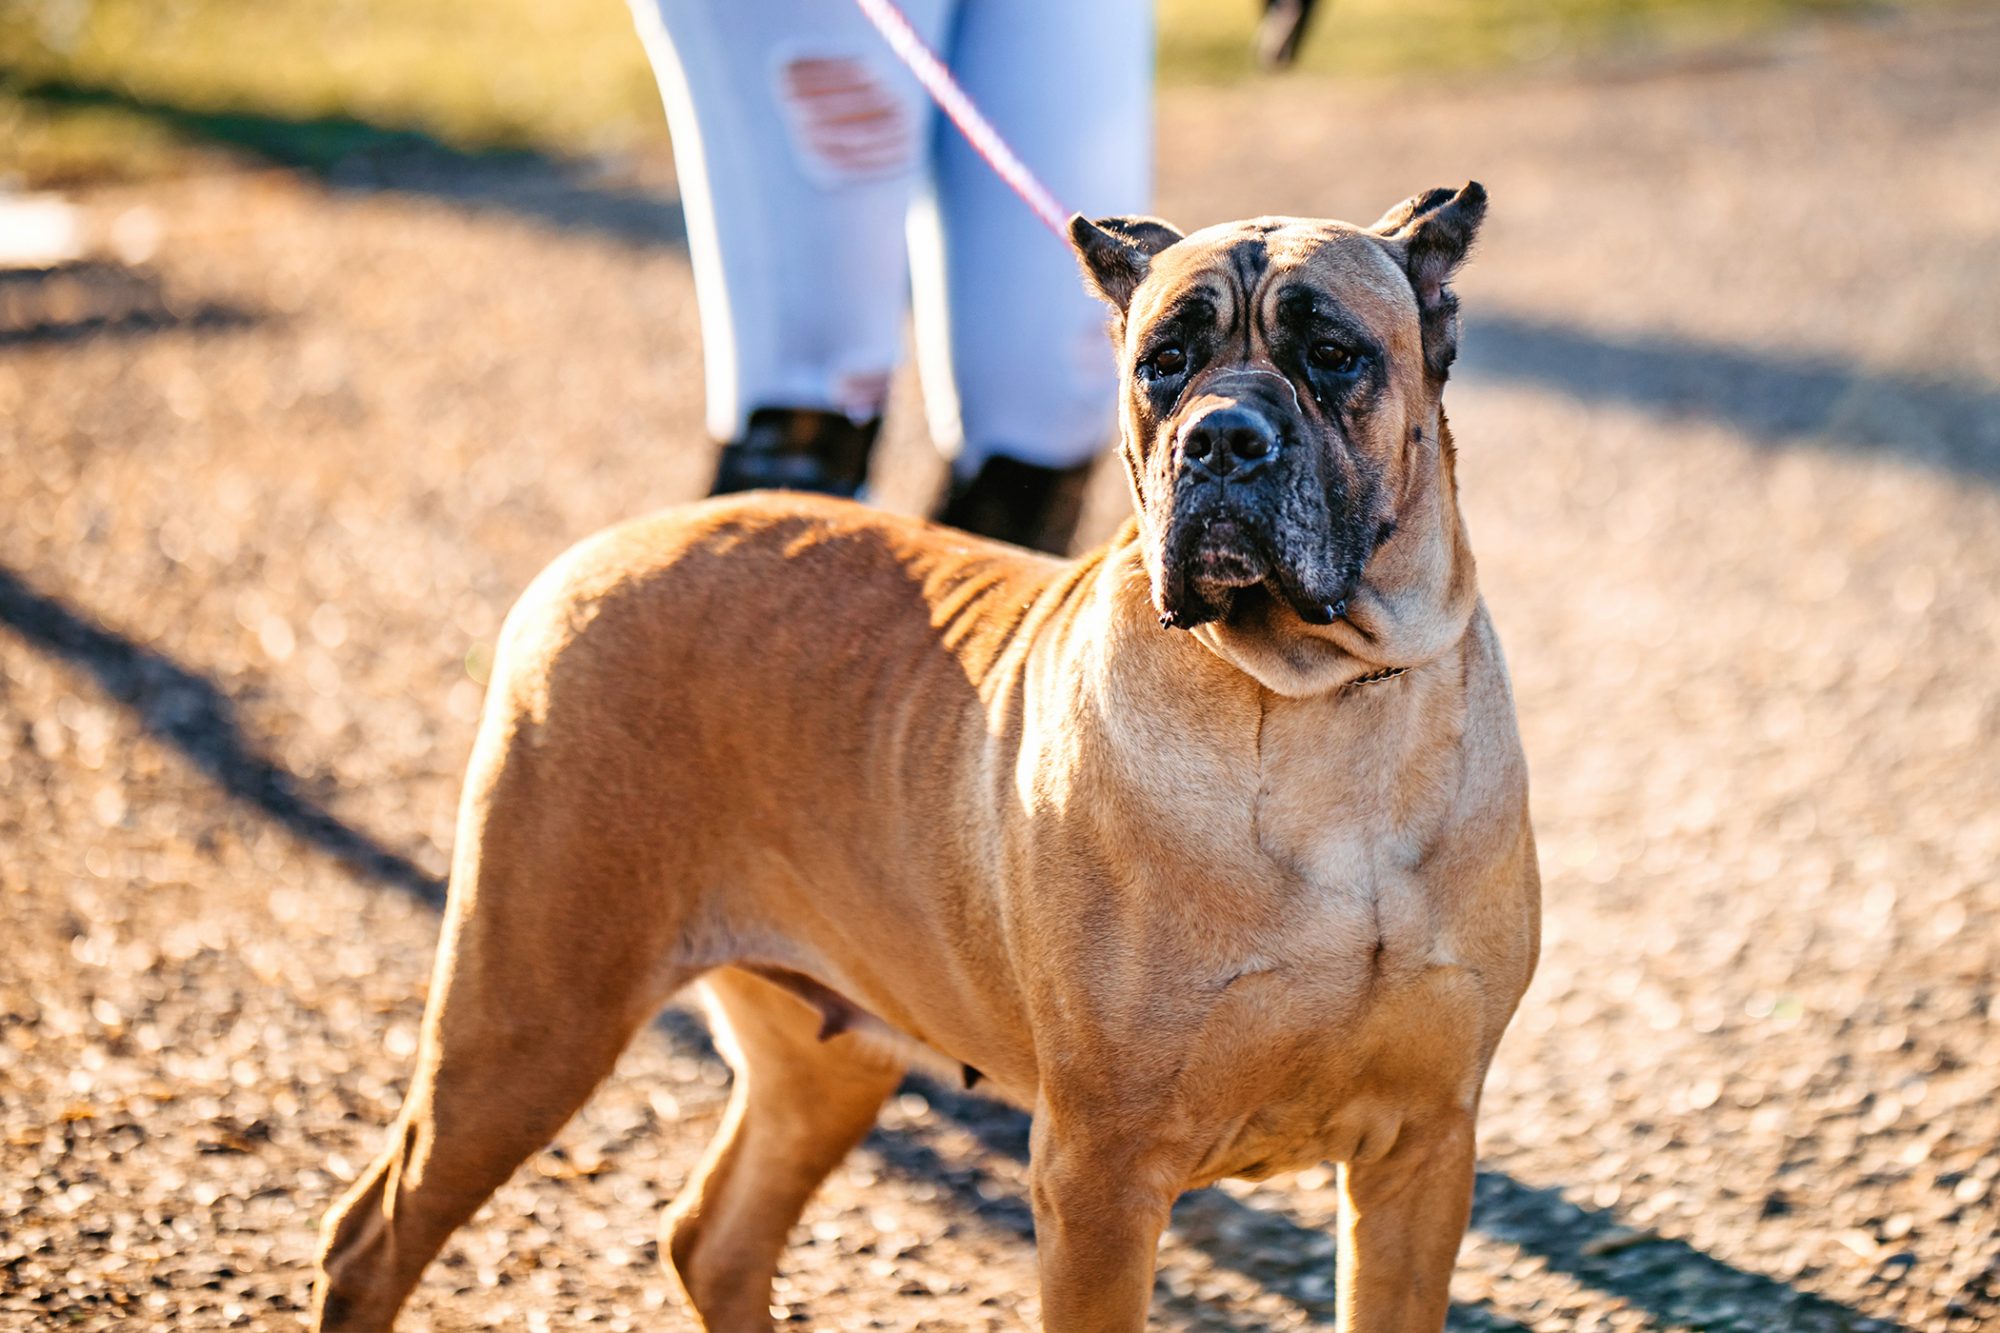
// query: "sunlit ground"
[[279, 447]]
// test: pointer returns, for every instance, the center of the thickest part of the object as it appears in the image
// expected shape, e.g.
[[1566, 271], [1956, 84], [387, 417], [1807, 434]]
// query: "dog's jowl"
[[1211, 849]]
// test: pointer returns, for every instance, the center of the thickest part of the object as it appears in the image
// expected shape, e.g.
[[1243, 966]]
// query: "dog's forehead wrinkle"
[[1307, 307], [1346, 269], [1251, 257], [1378, 311], [1165, 298]]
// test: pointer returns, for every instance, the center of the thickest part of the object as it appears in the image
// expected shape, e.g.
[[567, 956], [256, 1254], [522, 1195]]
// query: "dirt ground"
[[1729, 422]]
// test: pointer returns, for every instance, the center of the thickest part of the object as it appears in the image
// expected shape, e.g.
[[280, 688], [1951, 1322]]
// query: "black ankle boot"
[[797, 449], [1030, 506]]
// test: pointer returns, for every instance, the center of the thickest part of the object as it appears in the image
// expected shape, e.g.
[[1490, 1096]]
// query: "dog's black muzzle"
[[1252, 517], [1229, 456]]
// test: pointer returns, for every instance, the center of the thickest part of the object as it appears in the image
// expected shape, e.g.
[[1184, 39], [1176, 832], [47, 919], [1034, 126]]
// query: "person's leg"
[[798, 141], [1018, 373]]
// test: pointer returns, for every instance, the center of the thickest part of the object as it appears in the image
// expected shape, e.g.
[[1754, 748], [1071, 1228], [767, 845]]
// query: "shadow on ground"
[[1766, 397], [352, 154], [191, 713], [92, 298], [1672, 1281]]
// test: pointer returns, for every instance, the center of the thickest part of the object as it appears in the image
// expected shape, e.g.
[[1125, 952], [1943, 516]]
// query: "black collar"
[[1375, 677]]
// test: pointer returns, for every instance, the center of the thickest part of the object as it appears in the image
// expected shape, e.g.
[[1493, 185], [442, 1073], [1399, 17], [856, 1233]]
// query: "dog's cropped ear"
[[1116, 252], [1430, 235]]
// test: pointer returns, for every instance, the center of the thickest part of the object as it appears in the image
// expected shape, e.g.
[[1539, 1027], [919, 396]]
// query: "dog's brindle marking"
[[1212, 902]]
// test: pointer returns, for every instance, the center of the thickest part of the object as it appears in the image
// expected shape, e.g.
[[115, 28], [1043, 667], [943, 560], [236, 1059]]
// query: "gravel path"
[[1730, 429]]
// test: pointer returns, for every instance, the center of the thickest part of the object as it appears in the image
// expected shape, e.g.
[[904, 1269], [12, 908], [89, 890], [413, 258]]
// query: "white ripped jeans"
[[822, 193]]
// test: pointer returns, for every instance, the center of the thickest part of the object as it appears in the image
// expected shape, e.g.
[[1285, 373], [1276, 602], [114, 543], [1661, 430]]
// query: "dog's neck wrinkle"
[[1428, 603], [1419, 605], [1385, 763], [989, 610]]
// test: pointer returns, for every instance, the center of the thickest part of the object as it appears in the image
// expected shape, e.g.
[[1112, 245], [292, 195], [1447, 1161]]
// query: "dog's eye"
[[1334, 358], [1166, 363]]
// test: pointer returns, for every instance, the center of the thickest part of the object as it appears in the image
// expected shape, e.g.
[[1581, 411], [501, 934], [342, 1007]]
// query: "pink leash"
[[895, 28]]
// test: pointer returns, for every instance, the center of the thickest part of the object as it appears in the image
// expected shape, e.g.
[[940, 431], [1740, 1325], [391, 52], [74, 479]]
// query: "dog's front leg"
[[1100, 1205], [1402, 1218]]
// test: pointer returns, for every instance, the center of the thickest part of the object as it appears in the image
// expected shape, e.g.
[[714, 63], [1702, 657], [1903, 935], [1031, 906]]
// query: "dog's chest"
[[1322, 1046], [1345, 816], [1347, 1002]]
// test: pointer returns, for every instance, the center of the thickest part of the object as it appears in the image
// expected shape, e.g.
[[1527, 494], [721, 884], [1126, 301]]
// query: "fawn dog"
[[1211, 848]]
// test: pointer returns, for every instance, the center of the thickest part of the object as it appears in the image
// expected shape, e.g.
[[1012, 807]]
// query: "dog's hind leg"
[[547, 965], [798, 1106]]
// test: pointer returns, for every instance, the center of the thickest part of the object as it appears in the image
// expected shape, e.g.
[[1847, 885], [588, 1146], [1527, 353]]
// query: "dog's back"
[[775, 693]]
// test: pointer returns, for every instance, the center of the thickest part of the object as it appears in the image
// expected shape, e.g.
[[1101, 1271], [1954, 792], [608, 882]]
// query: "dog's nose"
[[1228, 441]]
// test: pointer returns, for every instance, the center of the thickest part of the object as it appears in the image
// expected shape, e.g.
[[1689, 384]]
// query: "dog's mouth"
[[1231, 563], [1227, 556], [1221, 565]]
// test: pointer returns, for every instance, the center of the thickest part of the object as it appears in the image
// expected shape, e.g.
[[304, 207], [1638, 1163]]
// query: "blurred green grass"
[[90, 88], [96, 89]]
